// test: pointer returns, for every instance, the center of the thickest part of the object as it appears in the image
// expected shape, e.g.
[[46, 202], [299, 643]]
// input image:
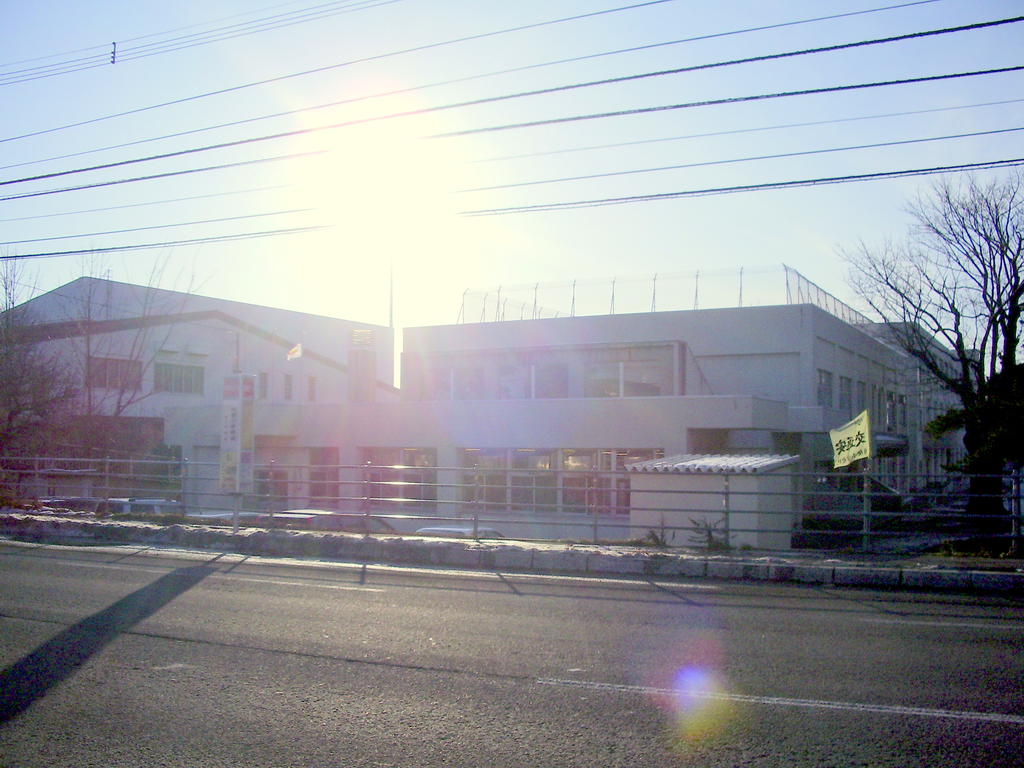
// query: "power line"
[[555, 89], [159, 226], [105, 56], [166, 243], [103, 48], [781, 155], [164, 175], [142, 205], [792, 184], [339, 65], [717, 102], [708, 134], [394, 92]]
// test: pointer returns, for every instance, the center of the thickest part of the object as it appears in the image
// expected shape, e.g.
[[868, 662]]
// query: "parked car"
[[458, 531], [329, 520], [144, 506]]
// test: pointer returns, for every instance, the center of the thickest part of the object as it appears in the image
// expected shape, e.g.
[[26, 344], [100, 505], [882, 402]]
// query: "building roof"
[[714, 463], [38, 332]]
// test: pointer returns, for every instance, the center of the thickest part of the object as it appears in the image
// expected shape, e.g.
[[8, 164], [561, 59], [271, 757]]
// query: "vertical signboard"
[[852, 441], [237, 441]]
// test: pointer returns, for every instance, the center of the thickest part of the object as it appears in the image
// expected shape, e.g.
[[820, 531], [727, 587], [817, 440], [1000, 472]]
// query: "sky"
[[414, 140]]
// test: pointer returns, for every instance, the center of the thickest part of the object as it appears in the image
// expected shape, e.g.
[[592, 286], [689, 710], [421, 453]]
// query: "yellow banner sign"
[[852, 441]]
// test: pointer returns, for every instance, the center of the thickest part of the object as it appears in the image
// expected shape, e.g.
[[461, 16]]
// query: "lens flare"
[[697, 704]]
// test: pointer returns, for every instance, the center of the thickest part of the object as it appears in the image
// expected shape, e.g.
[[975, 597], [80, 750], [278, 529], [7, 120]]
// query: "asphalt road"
[[126, 656]]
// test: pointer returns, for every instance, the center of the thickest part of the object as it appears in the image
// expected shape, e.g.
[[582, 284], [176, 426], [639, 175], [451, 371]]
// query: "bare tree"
[[951, 294], [35, 389], [112, 363]]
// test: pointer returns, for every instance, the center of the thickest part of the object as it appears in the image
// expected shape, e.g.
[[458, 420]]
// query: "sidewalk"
[[886, 571]]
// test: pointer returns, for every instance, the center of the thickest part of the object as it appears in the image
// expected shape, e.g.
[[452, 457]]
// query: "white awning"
[[715, 463]]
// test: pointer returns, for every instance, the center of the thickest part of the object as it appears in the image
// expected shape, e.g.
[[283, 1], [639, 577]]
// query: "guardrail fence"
[[766, 510]]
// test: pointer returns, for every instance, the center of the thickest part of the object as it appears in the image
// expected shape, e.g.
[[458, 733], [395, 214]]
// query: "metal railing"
[[770, 510]]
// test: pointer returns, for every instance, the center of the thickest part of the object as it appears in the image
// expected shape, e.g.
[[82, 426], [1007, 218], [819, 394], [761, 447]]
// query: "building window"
[[862, 396], [264, 385], [312, 389], [845, 394], [287, 386], [646, 378], [114, 373], [469, 383], [181, 379], [551, 380], [825, 388], [514, 382], [902, 401], [601, 380]]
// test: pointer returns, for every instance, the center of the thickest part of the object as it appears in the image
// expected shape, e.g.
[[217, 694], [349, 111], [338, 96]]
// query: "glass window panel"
[[646, 378], [513, 382], [469, 383], [551, 380], [601, 380]]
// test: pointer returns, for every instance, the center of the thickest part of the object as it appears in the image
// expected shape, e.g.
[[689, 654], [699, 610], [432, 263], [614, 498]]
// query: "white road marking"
[[215, 574], [885, 709], [958, 624], [309, 584]]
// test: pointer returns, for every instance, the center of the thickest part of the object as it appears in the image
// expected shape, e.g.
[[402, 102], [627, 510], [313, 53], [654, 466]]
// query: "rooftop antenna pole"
[[654, 293], [462, 308], [696, 290], [613, 297], [741, 286], [497, 306], [572, 308], [535, 287]]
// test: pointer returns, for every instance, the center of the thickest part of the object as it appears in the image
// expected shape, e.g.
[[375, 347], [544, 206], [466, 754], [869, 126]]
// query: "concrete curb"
[[523, 557]]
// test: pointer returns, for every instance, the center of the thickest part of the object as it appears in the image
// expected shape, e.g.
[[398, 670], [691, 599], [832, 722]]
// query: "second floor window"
[[845, 394], [114, 373], [173, 377], [287, 386], [825, 388]]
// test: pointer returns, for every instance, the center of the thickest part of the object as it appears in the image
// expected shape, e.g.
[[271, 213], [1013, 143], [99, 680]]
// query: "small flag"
[[295, 352], [852, 441]]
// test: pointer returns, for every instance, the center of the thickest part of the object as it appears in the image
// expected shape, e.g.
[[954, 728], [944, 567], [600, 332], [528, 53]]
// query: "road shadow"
[[31, 677]]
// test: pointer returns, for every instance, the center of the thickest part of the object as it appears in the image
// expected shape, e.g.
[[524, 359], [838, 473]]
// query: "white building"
[[531, 410], [157, 359]]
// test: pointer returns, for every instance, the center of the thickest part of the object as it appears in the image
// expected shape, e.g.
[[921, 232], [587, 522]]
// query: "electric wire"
[[410, 89], [554, 89], [104, 49], [709, 191], [729, 100], [751, 158], [160, 226], [338, 65], [105, 57], [165, 243], [151, 34], [144, 204], [165, 175], [734, 131]]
